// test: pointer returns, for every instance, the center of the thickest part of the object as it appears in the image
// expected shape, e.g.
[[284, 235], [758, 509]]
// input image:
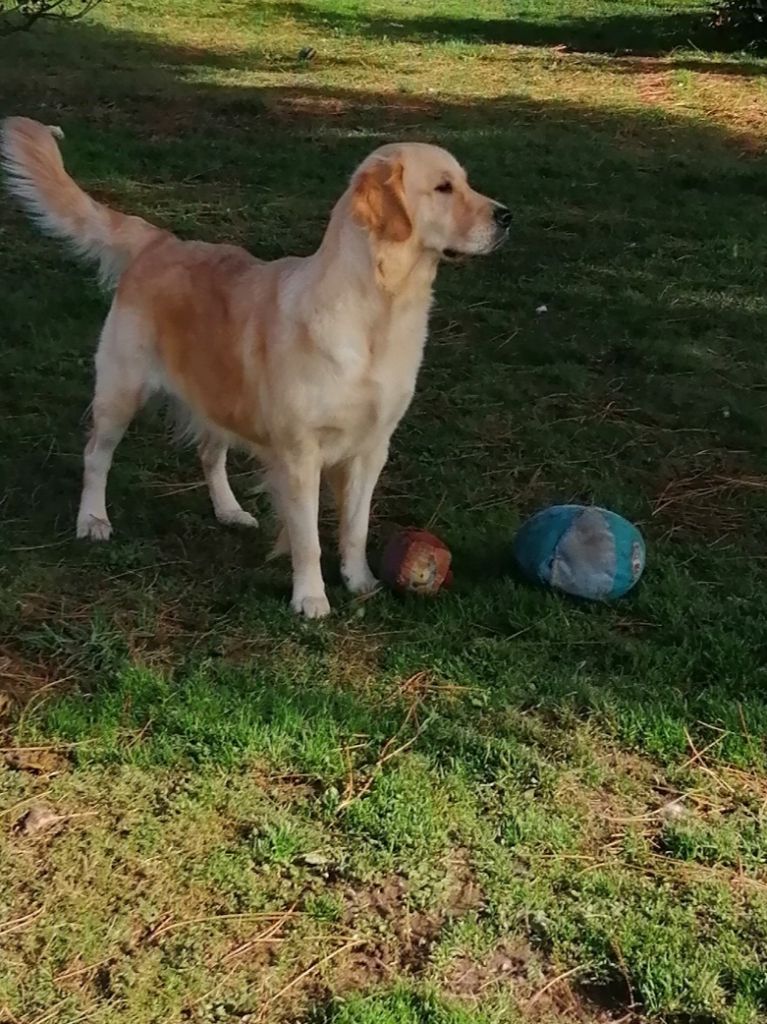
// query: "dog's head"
[[415, 193]]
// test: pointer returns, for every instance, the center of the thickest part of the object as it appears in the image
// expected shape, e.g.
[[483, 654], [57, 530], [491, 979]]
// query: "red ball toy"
[[416, 562]]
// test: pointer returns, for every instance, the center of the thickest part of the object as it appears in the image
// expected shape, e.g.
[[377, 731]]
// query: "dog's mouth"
[[456, 256]]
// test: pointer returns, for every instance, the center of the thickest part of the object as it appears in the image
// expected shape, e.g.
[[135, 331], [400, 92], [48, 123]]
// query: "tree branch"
[[22, 15]]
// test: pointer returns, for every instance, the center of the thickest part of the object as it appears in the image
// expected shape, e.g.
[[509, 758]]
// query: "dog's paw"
[[359, 580], [237, 517], [311, 607], [93, 528]]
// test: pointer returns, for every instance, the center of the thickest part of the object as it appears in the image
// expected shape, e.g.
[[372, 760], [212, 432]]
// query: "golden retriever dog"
[[307, 362]]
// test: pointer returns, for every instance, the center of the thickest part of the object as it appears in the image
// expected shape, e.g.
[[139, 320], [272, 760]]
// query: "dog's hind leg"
[[123, 383], [281, 546], [212, 451]]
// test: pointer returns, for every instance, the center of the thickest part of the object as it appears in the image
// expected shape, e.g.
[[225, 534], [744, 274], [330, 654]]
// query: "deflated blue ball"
[[582, 550]]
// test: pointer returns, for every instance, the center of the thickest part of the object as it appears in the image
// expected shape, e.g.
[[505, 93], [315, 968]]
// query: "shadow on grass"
[[621, 385], [598, 31]]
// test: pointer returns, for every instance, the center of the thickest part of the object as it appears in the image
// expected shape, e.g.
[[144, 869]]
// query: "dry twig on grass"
[[388, 753]]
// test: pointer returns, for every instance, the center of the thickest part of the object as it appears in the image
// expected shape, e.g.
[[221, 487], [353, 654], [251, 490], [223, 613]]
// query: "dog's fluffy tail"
[[36, 176]]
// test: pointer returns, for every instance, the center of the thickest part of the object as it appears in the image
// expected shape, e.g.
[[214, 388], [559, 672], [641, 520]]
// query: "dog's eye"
[[446, 186]]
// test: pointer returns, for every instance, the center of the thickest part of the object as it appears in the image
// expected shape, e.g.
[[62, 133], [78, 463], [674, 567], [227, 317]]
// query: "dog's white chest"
[[369, 383]]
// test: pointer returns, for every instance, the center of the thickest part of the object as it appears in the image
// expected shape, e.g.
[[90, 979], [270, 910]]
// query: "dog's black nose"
[[502, 216]]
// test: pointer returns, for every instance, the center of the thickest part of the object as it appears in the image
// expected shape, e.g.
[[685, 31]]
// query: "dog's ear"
[[378, 201]]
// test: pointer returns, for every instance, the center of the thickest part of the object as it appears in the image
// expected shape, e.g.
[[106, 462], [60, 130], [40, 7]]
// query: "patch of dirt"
[[463, 893], [401, 936], [156, 643], [355, 660], [313, 106], [646, 778], [21, 680], [363, 970], [731, 100], [654, 88], [41, 762], [287, 788], [406, 935], [39, 818], [737, 103], [508, 964], [36, 607], [539, 991]]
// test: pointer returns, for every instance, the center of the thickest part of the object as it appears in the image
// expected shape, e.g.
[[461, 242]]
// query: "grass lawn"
[[496, 806]]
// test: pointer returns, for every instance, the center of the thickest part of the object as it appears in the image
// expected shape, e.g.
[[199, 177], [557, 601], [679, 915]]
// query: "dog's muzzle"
[[502, 217]]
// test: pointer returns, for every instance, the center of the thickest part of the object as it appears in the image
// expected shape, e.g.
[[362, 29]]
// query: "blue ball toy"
[[582, 550]]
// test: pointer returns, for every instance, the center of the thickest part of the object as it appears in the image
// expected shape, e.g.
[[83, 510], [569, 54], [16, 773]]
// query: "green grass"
[[496, 806]]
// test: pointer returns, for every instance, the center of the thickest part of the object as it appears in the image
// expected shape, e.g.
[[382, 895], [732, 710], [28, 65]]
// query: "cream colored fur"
[[309, 363]]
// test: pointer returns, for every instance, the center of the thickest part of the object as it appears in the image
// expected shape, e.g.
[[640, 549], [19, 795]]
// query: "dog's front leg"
[[353, 483], [296, 481]]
